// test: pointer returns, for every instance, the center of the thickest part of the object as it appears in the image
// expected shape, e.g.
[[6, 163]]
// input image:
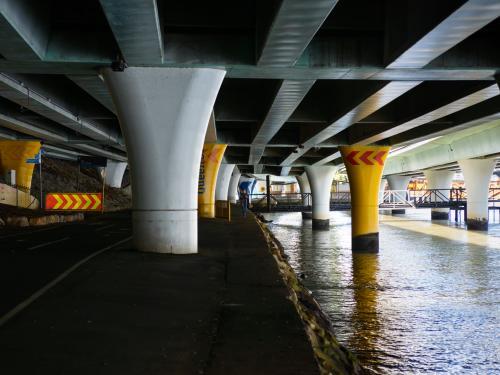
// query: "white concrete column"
[[381, 190], [320, 178], [439, 180], [477, 175], [223, 179], [114, 173], [164, 113], [305, 188], [398, 182], [233, 185]]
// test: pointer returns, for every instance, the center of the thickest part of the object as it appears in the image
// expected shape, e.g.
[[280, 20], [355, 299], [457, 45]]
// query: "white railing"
[[396, 199]]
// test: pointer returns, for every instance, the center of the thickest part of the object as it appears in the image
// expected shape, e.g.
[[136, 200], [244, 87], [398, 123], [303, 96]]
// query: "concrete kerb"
[[330, 355]]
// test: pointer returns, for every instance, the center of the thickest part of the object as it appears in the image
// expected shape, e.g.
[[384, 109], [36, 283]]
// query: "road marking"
[[48, 243], [40, 292], [104, 227]]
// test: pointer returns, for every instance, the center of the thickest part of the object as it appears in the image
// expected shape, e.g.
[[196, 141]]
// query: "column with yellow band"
[[209, 168], [13, 155], [364, 166]]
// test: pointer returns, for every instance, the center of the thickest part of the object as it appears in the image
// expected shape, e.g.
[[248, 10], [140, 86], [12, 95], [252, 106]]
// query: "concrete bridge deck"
[[222, 311]]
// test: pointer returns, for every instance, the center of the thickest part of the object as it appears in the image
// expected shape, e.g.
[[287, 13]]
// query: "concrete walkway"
[[223, 311]]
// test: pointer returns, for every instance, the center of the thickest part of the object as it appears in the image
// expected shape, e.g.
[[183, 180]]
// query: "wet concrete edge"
[[330, 355]]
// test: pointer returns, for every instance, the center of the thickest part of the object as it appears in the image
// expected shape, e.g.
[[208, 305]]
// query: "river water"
[[429, 302]]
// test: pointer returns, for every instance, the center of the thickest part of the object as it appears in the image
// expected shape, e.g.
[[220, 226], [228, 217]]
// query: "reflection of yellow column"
[[364, 165], [13, 155], [209, 168], [364, 317]]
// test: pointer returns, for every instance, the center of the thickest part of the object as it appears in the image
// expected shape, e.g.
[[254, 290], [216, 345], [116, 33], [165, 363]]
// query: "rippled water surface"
[[427, 303]]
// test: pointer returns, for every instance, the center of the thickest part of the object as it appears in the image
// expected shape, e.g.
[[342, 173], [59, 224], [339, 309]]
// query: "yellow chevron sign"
[[73, 201]]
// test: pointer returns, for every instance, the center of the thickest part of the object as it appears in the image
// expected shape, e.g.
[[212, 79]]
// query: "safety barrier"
[[455, 199]]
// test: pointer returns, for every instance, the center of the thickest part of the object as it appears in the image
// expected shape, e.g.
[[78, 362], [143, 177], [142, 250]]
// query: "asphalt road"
[[30, 258]]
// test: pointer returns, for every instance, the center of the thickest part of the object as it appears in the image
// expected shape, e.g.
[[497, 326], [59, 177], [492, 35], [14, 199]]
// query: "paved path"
[[222, 311]]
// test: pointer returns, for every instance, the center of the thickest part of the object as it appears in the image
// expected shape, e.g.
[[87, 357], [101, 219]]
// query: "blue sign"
[[36, 159]]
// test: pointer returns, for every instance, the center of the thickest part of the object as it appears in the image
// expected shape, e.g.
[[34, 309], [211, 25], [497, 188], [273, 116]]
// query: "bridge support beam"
[[320, 179], [164, 114], [439, 180], [364, 165], [114, 173], [209, 170], [305, 188], [477, 175], [233, 185], [398, 182]]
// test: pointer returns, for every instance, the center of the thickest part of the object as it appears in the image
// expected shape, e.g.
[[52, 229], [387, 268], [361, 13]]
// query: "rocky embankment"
[[60, 176], [331, 356], [21, 217], [63, 177]]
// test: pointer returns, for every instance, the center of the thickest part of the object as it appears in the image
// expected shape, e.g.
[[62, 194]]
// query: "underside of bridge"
[[199, 102], [302, 78]]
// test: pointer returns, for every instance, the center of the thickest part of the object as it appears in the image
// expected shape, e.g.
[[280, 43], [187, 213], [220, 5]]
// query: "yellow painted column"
[[209, 168], [13, 155], [364, 165]]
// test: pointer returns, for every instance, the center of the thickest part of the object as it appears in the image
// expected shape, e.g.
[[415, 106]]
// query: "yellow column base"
[[206, 210]]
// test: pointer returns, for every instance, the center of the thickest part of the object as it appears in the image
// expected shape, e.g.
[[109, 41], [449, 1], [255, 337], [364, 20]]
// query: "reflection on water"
[[426, 303], [364, 318]]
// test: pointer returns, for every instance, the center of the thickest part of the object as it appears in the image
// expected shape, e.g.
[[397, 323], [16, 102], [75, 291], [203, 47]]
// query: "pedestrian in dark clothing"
[[244, 201]]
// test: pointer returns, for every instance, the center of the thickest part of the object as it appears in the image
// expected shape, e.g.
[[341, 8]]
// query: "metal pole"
[[268, 192], [78, 177], [41, 186], [103, 182]]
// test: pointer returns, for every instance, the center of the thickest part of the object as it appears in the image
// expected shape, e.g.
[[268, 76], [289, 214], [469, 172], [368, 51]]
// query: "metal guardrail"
[[389, 199]]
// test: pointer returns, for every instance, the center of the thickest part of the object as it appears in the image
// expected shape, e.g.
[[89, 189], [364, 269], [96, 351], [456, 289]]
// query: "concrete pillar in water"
[[320, 179], [233, 185], [209, 170], [381, 190], [477, 175], [114, 173], [439, 180], [13, 156], [364, 165], [305, 188], [223, 180], [164, 113], [398, 182]]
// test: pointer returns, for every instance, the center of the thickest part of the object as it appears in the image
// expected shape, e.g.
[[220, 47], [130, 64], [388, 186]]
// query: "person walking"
[[244, 201]]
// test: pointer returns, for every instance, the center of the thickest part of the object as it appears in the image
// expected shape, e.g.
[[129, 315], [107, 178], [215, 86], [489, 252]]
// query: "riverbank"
[[332, 357]]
